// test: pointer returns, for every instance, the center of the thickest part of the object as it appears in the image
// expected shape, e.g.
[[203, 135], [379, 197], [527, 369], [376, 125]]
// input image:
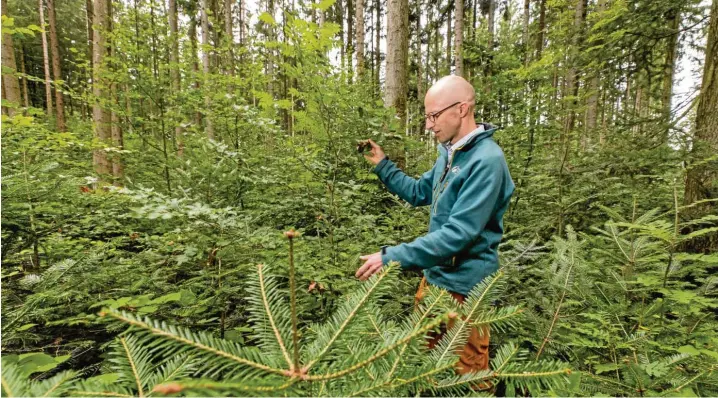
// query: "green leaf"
[[267, 18], [689, 349], [26, 327], [606, 367], [324, 4]]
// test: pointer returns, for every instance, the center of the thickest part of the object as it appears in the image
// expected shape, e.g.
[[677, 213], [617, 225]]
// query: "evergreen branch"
[[6, 387], [379, 354], [194, 344], [271, 317], [608, 380], [694, 378], [134, 368], [486, 288], [348, 319], [101, 394], [60, 380], [468, 378], [213, 385], [535, 374], [423, 375], [418, 322]]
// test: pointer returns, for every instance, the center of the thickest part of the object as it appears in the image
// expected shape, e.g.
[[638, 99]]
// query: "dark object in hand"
[[363, 146]]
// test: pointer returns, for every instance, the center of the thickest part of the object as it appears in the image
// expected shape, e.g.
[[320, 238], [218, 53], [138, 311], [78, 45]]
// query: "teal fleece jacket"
[[469, 195]]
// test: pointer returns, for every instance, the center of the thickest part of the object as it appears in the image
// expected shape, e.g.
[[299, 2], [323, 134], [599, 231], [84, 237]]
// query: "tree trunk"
[[448, 38], [702, 178], [459, 36], [56, 70], [420, 72], [100, 116], [541, 30], [592, 101], [10, 84], [192, 33], [229, 36], [25, 94], [673, 20], [525, 33], [377, 47], [350, 40], [46, 59], [359, 31], [397, 54], [175, 73], [209, 129]]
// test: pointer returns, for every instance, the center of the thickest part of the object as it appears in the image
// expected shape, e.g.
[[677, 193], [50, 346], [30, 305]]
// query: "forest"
[[184, 207]]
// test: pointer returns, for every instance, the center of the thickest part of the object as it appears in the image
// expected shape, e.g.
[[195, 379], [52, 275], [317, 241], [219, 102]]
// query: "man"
[[468, 189]]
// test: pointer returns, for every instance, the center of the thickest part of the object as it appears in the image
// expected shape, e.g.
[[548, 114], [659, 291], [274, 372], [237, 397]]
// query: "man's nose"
[[427, 122]]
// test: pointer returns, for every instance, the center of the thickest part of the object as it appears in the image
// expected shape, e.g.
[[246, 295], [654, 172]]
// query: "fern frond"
[[14, 383]]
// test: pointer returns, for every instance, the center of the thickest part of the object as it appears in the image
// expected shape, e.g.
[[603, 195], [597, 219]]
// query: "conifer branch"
[[197, 345], [349, 318], [423, 316], [468, 316], [134, 368], [100, 394], [6, 387], [534, 374], [271, 317], [66, 377], [379, 354], [211, 385]]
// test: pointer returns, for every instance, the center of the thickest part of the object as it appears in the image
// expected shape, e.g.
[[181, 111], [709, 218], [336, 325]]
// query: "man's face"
[[443, 119]]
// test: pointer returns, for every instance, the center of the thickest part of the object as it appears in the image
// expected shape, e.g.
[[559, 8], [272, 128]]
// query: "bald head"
[[450, 89], [449, 106]]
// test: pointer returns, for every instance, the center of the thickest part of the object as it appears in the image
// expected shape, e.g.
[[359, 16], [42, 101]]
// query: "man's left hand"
[[372, 265]]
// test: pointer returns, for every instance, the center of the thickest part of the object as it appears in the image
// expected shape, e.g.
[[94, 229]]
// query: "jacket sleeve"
[[415, 191], [471, 212]]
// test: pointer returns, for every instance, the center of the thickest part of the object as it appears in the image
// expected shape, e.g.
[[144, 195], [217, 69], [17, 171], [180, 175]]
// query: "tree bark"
[[420, 71], [525, 33], [673, 20], [448, 38], [541, 30], [459, 36], [377, 47], [10, 83], [25, 94], [702, 178], [209, 129], [359, 31], [46, 58], [175, 72], [397, 54], [229, 36], [100, 116], [192, 33], [56, 68]]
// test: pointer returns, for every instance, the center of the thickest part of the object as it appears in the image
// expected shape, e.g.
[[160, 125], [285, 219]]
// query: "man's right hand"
[[376, 154]]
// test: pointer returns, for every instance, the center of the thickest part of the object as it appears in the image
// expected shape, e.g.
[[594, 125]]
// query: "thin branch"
[[134, 368], [271, 318]]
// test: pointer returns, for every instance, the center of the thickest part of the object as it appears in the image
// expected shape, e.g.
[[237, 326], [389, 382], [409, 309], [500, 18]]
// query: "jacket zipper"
[[443, 175]]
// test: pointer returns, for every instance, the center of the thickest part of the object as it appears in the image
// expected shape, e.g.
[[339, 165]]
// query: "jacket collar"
[[473, 138]]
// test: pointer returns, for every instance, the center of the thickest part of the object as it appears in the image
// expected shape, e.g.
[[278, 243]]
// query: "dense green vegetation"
[[144, 214]]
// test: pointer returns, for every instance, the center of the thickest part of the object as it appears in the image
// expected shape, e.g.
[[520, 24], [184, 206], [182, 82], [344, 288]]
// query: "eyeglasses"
[[434, 115]]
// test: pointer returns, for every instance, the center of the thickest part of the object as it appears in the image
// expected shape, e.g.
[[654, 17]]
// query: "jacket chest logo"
[[455, 169]]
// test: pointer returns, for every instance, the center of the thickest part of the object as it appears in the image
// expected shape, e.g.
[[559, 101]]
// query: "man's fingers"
[[363, 257]]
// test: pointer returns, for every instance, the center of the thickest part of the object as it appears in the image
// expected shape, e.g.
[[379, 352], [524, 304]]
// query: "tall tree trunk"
[[56, 67], [420, 71], [702, 179], [100, 116], [525, 33], [359, 31], [10, 84], [229, 36], [46, 58], [209, 129], [459, 36], [541, 30], [25, 94], [350, 39], [397, 54], [673, 20], [175, 73], [118, 169], [592, 101], [377, 47], [192, 33], [448, 38]]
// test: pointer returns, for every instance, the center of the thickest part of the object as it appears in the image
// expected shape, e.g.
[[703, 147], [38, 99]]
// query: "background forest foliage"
[[154, 152]]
